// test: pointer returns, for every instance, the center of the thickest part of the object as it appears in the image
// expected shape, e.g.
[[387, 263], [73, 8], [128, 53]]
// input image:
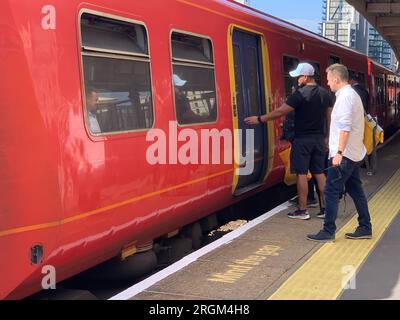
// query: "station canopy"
[[384, 15]]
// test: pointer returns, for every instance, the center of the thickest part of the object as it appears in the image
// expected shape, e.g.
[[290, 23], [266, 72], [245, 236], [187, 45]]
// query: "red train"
[[82, 85]]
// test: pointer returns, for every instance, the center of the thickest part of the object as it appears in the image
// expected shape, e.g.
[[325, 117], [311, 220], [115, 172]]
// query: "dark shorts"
[[308, 154]]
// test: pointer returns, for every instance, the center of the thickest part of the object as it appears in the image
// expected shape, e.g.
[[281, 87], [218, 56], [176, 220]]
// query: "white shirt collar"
[[342, 89]]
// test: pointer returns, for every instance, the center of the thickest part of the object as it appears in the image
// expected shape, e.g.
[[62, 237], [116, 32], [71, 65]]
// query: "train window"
[[193, 79], [398, 91], [333, 60], [391, 90], [116, 70], [104, 34], [352, 74], [289, 64], [380, 91], [361, 78], [357, 76], [191, 48]]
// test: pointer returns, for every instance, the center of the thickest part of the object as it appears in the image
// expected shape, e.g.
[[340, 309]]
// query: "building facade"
[[343, 24], [379, 50]]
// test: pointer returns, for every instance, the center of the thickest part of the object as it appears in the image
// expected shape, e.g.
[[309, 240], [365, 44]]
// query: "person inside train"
[[91, 107], [354, 81], [346, 152], [184, 111], [312, 106], [360, 89]]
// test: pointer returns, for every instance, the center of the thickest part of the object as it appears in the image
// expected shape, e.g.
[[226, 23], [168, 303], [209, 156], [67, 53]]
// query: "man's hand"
[[251, 120], [337, 160]]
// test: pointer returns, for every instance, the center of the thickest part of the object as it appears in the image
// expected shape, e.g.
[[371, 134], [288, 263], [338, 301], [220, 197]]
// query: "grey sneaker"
[[359, 234], [299, 214], [321, 236]]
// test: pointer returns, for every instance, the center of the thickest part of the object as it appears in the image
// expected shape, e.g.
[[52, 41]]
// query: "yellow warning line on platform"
[[325, 275]]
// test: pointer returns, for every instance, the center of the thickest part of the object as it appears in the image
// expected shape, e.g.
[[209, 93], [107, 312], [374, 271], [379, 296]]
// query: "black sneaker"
[[359, 234], [321, 236], [321, 214]]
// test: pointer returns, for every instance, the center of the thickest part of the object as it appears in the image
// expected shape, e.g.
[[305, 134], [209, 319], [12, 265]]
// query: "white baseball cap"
[[178, 81], [303, 69]]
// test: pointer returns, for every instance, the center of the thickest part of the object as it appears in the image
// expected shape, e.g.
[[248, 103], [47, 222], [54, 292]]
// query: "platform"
[[270, 257]]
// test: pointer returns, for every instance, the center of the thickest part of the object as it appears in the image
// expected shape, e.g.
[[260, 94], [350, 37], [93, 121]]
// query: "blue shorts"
[[308, 154]]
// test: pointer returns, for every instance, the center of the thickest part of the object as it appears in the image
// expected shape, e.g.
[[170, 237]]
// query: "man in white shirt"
[[346, 153], [91, 106]]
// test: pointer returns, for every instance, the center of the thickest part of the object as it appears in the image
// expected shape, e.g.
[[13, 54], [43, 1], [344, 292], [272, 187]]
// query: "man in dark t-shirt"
[[362, 92], [312, 105]]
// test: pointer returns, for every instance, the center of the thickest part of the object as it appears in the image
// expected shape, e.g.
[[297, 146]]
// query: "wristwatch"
[[259, 119], [340, 152]]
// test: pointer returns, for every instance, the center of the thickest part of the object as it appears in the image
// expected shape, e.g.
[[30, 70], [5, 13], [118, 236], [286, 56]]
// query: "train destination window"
[[379, 91], [359, 77], [116, 70], [391, 90], [193, 79]]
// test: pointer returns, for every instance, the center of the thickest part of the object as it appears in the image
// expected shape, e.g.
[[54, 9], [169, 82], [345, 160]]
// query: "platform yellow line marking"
[[325, 274]]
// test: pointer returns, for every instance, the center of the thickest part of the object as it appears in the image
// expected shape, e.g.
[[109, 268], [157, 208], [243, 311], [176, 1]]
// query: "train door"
[[250, 101]]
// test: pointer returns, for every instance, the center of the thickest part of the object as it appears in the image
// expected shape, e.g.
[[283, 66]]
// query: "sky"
[[306, 13]]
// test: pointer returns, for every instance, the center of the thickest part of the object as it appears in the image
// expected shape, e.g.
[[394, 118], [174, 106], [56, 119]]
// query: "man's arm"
[[276, 114], [343, 139]]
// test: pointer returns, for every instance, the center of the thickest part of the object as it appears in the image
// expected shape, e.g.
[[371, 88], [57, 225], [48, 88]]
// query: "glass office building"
[[343, 24]]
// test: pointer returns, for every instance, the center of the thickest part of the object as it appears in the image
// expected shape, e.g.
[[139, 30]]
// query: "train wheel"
[[195, 233], [132, 267], [171, 250]]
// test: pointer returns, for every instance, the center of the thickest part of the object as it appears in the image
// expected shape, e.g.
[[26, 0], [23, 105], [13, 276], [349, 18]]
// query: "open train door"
[[253, 145]]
